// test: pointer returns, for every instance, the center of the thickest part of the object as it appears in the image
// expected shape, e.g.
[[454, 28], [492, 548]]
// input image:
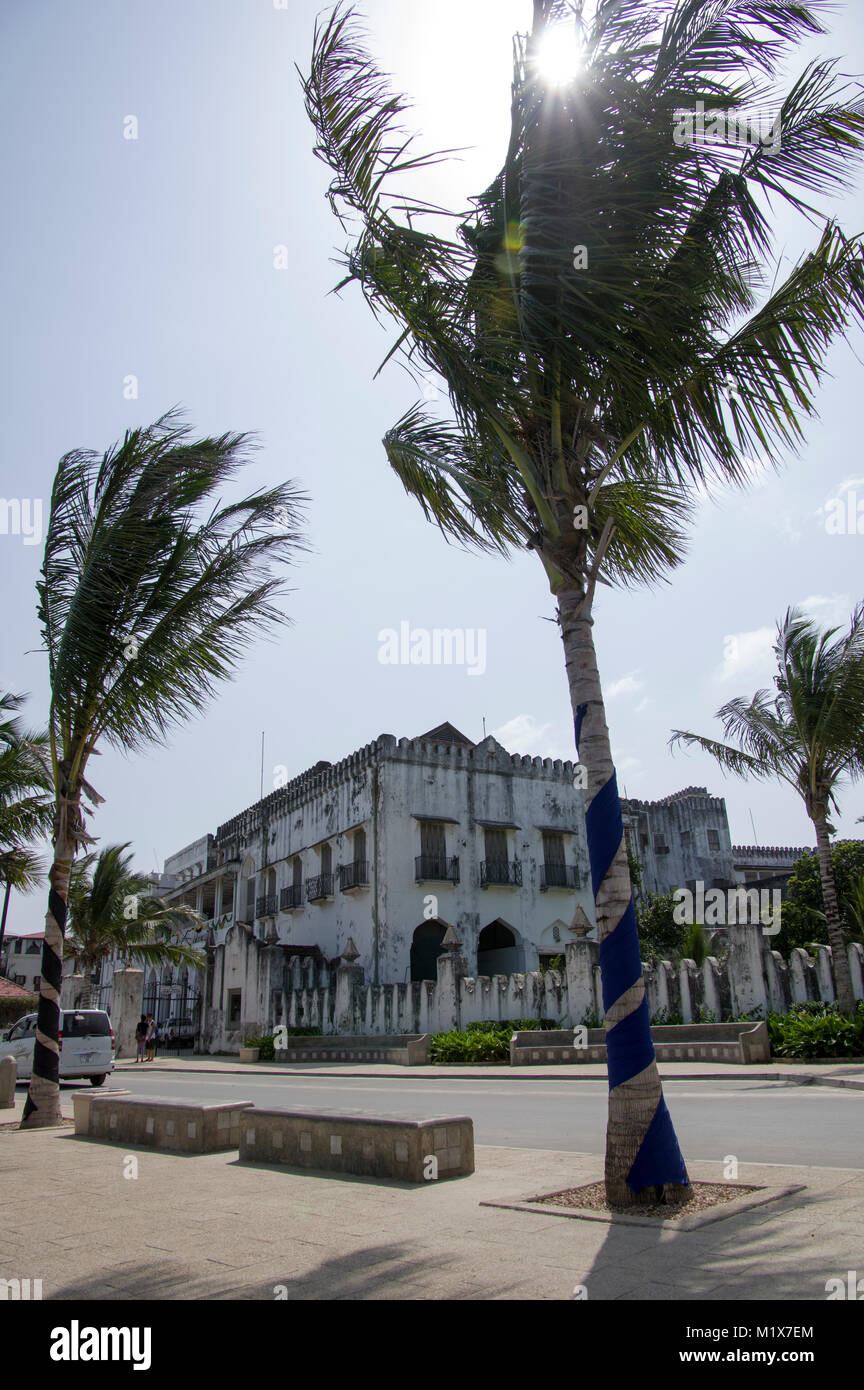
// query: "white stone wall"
[[753, 979]]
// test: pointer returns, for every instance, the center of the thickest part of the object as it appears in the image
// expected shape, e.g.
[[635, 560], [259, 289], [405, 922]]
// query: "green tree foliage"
[[25, 795], [112, 912], [659, 935], [802, 917]]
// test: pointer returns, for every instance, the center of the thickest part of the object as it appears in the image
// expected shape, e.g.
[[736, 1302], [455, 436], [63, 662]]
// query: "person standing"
[[152, 1034], [141, 1038]]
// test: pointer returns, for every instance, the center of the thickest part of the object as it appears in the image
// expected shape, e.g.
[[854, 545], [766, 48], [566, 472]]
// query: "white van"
[[86, 1045]]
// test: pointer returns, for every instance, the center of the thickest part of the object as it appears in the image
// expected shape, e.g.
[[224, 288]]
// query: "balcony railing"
[[319, 887], [354, 875], [292, 896], [559, 876], [500, 871], [265, 906], [436, 866]]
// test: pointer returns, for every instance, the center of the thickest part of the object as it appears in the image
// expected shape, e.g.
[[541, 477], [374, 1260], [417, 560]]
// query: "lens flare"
[[560, 56]]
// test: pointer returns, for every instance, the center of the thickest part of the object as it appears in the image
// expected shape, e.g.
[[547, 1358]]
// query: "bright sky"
[[154, 257]]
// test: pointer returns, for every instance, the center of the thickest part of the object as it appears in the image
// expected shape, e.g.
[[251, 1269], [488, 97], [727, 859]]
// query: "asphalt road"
[[757, 1122]]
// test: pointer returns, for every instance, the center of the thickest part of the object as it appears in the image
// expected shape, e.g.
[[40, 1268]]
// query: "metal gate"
[[177, 1011]]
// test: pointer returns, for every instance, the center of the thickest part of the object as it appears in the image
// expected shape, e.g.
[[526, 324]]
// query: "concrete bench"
[[81, 1106], [375, 1146], [8, 1077], [673, 1042], [406, 1049], [179, 1126]]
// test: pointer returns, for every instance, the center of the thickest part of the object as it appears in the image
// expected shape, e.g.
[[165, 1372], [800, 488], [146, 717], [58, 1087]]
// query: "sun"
[[560, 56]]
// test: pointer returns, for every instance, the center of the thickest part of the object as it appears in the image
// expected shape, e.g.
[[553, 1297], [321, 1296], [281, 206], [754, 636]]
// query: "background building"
[[684, 839]]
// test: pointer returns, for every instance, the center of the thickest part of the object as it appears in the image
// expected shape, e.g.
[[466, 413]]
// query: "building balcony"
[[354, 876], [559, 876], [319, 888], [291, 897], [501, 873], [436, 867], [265, 906]]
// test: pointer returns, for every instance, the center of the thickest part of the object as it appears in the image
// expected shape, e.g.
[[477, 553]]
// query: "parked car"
[[86, 1045], [177, 1032]]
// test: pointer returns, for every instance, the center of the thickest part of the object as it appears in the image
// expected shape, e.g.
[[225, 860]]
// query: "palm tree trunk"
[[43, 1098], [642, 1153], [839, 952], [5, 910]]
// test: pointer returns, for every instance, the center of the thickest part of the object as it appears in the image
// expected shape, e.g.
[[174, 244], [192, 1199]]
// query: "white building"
[[21, 960], [392, 845]]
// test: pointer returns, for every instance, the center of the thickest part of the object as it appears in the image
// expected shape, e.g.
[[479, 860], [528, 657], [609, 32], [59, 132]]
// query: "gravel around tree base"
[[592, 1197]]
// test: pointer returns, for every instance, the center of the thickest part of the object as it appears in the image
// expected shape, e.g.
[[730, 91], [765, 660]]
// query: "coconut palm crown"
[[25, 801]]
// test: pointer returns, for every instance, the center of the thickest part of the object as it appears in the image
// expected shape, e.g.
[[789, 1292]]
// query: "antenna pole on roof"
[[484, 726], [753, 823], [261, 795]]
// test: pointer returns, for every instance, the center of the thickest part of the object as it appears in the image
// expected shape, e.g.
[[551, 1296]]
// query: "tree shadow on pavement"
[[392, 1271], [776, 1252]]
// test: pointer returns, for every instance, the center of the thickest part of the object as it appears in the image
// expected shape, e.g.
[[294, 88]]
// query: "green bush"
[[13, 1009], [665, 1016], [816, 1030], [482, 1043]]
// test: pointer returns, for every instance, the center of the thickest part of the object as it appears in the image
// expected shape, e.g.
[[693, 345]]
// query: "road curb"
[[508, 1074]]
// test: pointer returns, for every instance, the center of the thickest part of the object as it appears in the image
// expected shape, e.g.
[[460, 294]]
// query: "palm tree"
[[810, 735], [25, 802], [112, 912], [146, 603], [588, 317]]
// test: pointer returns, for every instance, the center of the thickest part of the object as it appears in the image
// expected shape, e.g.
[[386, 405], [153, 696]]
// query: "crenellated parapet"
[[488, 756], [299, 792], [697, 797], [756, 853]]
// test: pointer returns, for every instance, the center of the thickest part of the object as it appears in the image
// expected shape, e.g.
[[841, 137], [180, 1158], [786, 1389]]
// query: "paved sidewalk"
[[207, 1227], [843, 1074]]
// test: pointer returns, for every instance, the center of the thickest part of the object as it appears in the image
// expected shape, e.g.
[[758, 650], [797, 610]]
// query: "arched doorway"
[[426, 948], [497, 950]]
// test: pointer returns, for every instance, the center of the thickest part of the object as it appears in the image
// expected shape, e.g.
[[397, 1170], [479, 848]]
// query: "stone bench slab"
[[178, 1126], [685, 1042], [375, 1146], [407, 1049]]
